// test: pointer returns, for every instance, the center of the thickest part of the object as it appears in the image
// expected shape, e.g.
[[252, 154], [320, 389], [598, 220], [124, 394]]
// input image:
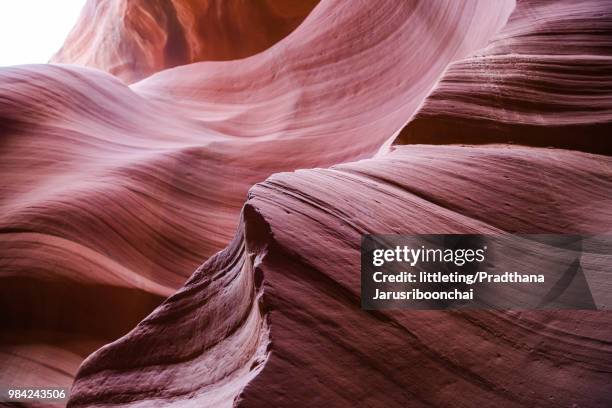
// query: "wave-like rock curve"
[[325, 350], [112, 195], [134, 39], [544, 80], [131, 187], [200, 347]]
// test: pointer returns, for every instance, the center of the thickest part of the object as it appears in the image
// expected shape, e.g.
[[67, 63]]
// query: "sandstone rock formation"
[[544, 80], [133, 39], [112, 195], [322, 349]]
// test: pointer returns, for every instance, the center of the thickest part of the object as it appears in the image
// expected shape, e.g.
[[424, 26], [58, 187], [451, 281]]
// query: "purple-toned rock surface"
[[544, 80], [370, 117], [322, 348]]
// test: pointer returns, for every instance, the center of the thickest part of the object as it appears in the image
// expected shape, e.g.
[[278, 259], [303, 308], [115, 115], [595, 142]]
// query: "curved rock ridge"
[[326, 351], [112, 195], [543, 81], [198, 348], [133, 39]]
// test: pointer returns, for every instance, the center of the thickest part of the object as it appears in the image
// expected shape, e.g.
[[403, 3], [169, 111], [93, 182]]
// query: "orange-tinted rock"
[[133, 39]]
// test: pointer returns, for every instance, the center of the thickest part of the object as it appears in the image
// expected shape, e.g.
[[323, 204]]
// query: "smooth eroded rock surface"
[[369, 117], [133, 39]]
